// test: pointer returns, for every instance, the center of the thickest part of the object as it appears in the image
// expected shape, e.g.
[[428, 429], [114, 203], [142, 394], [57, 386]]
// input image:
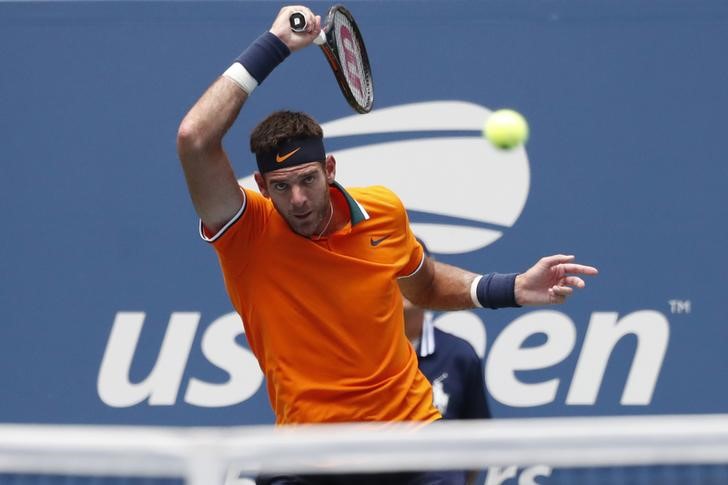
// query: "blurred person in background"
[[450, 364]]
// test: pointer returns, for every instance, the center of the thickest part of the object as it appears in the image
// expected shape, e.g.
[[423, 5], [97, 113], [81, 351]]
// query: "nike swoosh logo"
[[283, 158], [375, 242]]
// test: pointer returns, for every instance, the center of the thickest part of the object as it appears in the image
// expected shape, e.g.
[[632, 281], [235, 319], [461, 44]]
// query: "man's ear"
[[261, 184], [330, 169]]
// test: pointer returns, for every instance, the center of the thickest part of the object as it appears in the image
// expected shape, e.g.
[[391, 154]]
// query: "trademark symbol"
[[679, 307]]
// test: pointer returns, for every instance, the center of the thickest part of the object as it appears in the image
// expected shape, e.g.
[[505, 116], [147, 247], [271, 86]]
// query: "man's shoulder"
[[376, 197], [373, 192]]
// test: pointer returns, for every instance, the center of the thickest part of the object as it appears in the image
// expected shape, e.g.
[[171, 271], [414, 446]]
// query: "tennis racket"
[[342, 43]]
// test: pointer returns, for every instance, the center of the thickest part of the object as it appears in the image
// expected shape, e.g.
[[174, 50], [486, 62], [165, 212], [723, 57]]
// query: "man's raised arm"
[[210, 178]]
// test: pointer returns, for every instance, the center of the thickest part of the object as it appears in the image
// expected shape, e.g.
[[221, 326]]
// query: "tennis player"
[[315, 269]]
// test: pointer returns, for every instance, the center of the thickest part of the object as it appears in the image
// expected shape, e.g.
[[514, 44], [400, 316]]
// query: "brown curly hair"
[[280, 126]]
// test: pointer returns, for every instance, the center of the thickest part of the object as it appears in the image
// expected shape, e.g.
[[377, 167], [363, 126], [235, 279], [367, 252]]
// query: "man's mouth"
[[302, 216]]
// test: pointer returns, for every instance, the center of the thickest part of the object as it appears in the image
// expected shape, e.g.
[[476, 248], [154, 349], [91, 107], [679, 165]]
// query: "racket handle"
[[298, 24], [297, 21]]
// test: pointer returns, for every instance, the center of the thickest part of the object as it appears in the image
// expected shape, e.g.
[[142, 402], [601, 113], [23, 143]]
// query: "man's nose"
[[298, 196]]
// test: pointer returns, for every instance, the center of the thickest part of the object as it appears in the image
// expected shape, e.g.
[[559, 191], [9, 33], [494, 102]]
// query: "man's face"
[[301, 196]]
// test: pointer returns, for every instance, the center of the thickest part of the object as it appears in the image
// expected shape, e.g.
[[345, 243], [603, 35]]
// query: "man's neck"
[[341, 216]]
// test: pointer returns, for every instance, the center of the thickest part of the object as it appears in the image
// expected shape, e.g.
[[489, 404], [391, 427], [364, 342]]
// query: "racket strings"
[[357, 76]]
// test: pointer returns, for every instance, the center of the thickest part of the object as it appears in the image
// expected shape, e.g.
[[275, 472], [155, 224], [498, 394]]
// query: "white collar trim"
[[427, 343]]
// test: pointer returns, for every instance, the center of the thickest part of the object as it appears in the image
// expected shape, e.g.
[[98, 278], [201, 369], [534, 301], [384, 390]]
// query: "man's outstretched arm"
[[440, 286]]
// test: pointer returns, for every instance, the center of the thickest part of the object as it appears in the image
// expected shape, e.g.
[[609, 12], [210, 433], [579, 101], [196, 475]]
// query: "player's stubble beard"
[[316, 222]]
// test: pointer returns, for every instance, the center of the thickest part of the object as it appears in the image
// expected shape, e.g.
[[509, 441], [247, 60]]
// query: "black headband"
[[292, 152]]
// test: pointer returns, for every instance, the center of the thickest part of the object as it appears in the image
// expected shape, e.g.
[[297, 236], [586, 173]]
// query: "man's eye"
[[280, 186], [309, 179]]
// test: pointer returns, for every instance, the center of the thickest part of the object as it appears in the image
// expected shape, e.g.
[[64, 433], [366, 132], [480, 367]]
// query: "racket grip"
[[297, 21], [298, 24]]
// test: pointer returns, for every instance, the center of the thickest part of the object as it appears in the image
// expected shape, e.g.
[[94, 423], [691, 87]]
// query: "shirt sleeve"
[[414, 253], [416, 260], [235, 241]]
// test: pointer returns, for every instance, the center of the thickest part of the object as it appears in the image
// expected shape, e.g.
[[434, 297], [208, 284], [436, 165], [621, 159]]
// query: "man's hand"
[[550, 280], [281, 27]]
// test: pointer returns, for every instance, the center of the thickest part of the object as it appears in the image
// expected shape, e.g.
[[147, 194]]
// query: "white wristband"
[[474, 291], [240, 76]]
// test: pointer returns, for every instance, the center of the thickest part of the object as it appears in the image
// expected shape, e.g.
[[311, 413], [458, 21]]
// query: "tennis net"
[[606, 450]]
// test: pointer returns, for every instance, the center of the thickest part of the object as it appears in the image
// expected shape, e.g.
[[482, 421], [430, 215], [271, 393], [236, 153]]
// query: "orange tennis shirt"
[[324, 318]]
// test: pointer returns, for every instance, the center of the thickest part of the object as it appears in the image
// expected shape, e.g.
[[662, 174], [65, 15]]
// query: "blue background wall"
[[626, 101]]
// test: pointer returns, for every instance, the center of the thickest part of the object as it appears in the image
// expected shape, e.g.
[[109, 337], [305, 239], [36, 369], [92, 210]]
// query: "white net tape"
[[206, 455]]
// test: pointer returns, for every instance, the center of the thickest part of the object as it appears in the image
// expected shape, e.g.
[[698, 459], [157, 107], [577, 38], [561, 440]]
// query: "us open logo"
[[461, 193]]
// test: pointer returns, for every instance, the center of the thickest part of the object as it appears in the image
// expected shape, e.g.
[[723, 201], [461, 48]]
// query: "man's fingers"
[[572, 281], [562, 290], [557, 259], [554, 297], [564, 263], [310, 22], [573, 268]]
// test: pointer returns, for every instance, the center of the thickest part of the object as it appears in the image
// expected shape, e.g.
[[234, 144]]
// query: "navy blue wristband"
[[496, 290], [263, 55]]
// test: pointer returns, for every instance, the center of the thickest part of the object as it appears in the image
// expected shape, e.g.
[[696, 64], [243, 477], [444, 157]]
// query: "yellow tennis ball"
[[506, 129]]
